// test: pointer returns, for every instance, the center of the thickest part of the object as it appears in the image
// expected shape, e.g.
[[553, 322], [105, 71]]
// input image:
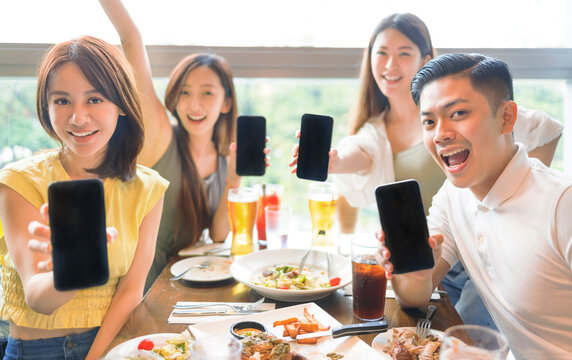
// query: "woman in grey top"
[[195, 154]]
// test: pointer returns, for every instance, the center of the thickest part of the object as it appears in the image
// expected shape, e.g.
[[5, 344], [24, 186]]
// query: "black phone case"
[[78, 234], [404, 224], [314, 147], [250, 143]]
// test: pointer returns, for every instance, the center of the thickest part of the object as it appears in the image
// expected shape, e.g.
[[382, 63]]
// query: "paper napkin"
[[181, 319]]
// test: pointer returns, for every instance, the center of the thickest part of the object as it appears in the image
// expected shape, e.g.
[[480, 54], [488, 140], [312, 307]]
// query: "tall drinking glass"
[[473, 342], [242, 204], [323, 198], [277, 226], [268, 194], [368, 279]]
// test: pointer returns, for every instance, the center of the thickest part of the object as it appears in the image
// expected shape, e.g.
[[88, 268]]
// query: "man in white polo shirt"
[[504, 215]]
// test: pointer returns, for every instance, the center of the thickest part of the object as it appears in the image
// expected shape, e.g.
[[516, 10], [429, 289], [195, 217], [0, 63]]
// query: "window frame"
[[21, 60]]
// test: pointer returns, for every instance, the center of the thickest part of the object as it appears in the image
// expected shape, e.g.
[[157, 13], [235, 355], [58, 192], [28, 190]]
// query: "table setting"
[[207, 289]]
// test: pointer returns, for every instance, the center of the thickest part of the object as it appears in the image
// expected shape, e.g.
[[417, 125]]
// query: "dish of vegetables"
[[288, 277], [274, 274]]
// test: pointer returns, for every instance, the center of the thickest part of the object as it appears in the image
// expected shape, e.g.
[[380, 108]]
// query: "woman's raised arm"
[[155, 117]]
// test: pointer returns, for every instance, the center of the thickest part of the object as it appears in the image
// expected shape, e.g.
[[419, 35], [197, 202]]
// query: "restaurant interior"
[[287, 60]]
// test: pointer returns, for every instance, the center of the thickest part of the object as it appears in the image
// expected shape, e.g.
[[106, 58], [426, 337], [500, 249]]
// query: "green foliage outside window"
[[281, 101]]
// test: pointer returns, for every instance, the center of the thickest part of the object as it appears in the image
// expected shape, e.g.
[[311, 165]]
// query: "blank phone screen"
[[250, 143], [405, 226], [314, 147], [78, 234]]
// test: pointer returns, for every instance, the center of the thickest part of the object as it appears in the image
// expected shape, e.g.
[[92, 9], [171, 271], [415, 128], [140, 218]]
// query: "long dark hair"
[[192, 214], [105, 68], [371, 100]]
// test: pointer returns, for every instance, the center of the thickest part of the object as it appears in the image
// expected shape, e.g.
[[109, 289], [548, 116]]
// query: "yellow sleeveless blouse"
[[126, 205]]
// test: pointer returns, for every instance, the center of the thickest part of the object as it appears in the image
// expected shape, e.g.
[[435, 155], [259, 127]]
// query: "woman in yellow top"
[[86, 100]]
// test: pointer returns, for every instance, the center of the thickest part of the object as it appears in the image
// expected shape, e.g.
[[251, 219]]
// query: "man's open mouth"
[[455, 158]]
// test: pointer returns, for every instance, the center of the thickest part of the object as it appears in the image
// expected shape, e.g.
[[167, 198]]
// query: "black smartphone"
[[78, 234], [314, 146], [404, 224], [250, 143]]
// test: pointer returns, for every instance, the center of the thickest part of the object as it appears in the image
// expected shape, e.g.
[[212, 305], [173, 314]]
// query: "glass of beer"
[[268, 194], [473, 342], [242, 203], [368, 279], [323, 198]]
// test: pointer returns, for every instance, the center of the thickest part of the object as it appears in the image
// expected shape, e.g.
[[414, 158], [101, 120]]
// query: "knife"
[[216, 250], [349, 330], [194, 312]]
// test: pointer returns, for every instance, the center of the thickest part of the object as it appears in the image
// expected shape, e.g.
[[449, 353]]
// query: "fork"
[[237, 308], [205, 264], [424, 325], [303, 261], [305, 256]]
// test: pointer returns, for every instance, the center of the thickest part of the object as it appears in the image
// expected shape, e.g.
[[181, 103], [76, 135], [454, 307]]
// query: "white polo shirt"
[[516, 245]]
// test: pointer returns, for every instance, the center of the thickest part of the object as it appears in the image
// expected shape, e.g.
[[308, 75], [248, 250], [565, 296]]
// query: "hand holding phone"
[[78, 234], [404, 224], [314, 147], [250, 143]]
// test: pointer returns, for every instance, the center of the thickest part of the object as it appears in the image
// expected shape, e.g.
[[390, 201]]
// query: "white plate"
[[129, 347], [246, 268], [351, 347], [219, 268], [384, 339]]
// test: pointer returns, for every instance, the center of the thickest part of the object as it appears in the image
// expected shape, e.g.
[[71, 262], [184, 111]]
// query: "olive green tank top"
[[417, 163]]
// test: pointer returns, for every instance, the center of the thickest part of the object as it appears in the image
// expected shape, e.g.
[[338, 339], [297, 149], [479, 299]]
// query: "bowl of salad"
[[275, 274]]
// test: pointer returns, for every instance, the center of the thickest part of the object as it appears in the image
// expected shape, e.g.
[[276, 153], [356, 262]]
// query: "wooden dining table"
[[151, 315]]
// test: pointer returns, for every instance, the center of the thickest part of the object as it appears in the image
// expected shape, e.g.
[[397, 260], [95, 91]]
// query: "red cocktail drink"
[[268, 194]]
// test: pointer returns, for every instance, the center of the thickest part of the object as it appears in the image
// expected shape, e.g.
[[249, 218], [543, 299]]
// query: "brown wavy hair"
[[105, 68], [192, 214], [371, 101]]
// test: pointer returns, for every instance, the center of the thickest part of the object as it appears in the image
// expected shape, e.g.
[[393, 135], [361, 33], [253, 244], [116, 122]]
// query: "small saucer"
[[218, 269], [244, 325]]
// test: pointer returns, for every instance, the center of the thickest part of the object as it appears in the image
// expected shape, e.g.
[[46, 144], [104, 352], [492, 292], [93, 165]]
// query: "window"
[[300, 57], [281, 101]]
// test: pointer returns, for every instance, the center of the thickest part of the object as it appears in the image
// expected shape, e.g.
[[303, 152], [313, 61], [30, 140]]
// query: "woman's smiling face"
[[394, 61], [81, 116], [201, 101]]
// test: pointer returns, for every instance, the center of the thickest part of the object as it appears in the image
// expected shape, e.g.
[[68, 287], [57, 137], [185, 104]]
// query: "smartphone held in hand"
[[314, 147], [404, 225], [250, 143], [78, 234]]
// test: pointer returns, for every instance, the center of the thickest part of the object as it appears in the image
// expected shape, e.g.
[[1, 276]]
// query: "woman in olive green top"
[[385, 144]]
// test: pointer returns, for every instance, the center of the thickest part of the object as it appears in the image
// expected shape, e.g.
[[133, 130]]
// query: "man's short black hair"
[[489, 76]]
